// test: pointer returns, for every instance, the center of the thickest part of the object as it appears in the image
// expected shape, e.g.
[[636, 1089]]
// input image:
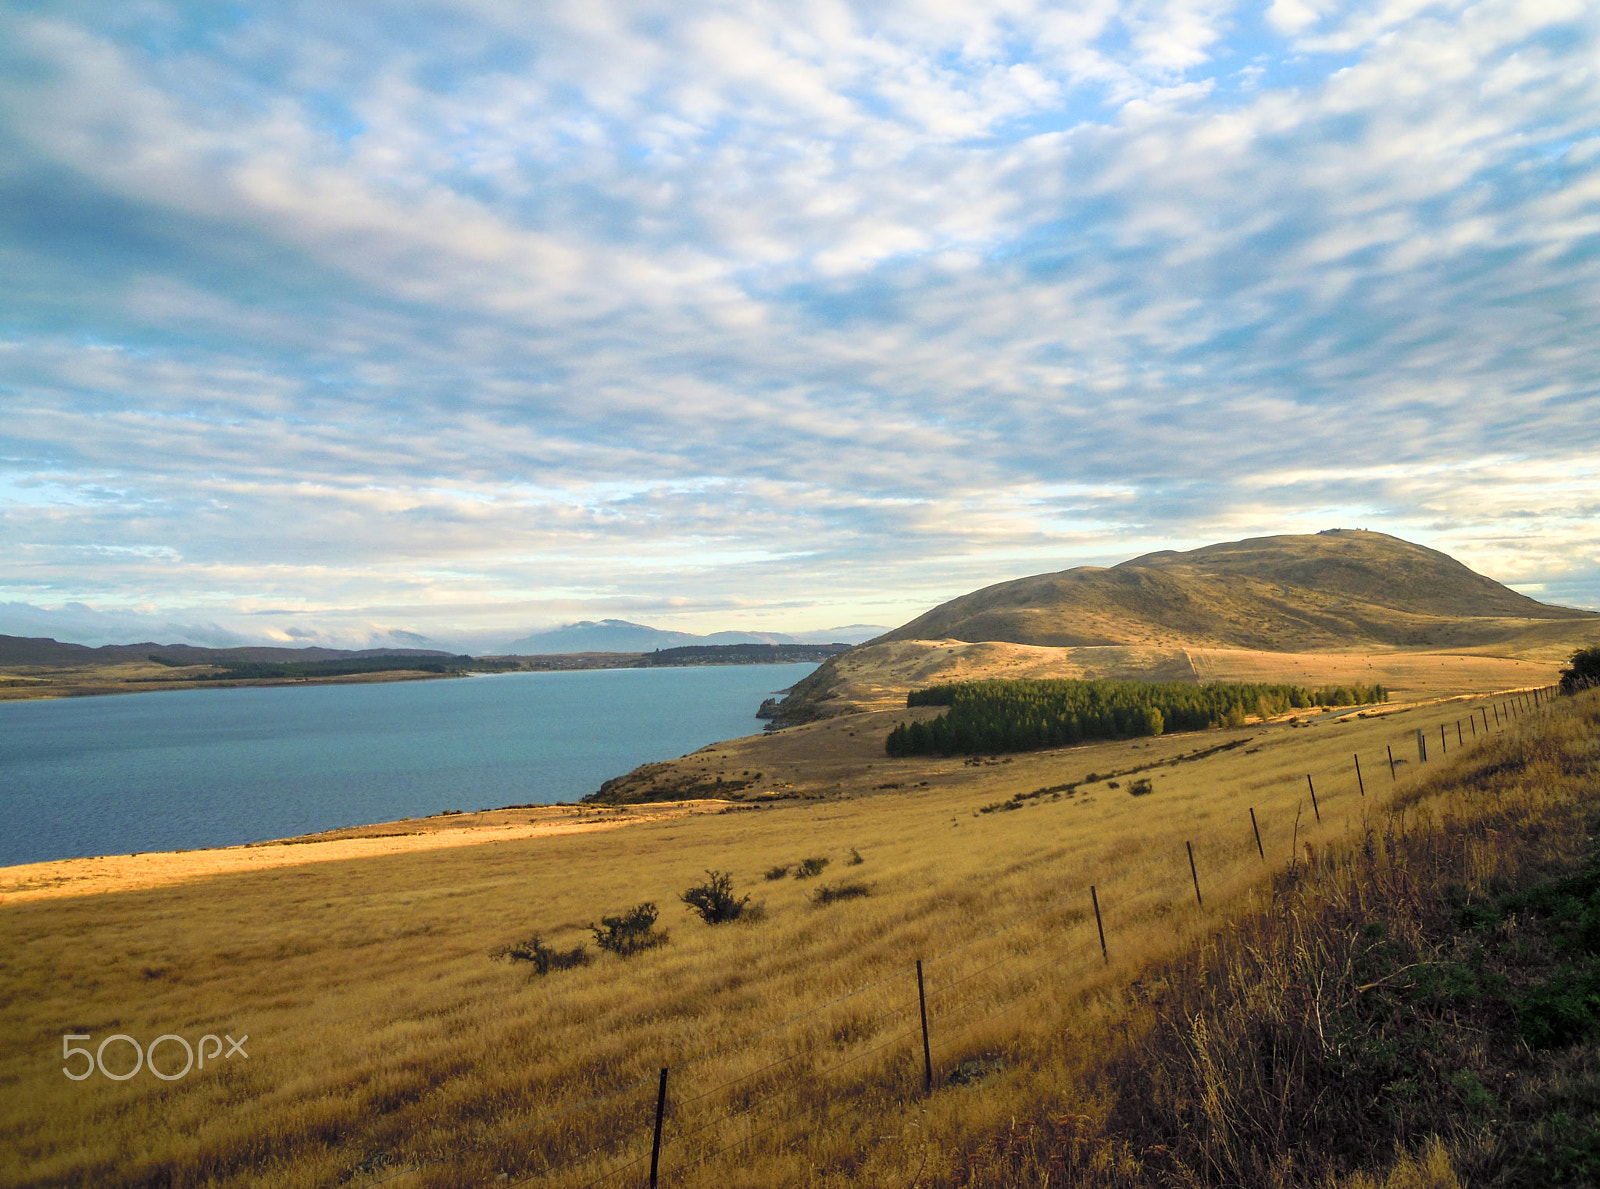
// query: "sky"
[[358, 323]]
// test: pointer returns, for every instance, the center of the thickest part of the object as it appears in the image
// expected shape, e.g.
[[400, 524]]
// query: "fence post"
[[1098, 924], [1443, 746], [661, 1110], [1422, 747], [1458, 733], [927, 1053], [1360, 784], [1390, 750], [1257, 830], [1472, 721], [1483, 710], [1314, 808], [1194, 875], [1496, 709]]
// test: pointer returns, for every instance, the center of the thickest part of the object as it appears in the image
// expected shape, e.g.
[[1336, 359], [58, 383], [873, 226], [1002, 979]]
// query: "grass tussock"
[[1427, 987], [832, 894]]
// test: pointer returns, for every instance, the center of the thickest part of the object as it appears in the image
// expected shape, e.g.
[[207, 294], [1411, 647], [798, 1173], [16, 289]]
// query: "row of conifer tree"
[[997, 716]]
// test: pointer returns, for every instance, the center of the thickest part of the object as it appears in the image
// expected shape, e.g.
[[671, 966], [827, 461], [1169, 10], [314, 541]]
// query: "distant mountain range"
[[83, 628], [620, 635], [24, 650]]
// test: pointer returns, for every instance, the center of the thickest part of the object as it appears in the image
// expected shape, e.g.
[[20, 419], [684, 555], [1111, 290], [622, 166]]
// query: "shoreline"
[[44, 682], [53, 879]]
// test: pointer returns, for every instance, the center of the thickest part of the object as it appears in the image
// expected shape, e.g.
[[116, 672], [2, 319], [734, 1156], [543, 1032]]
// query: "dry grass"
[[1363, 1008], [59, 878], [27, 682], [383, 1037], [877, 677]]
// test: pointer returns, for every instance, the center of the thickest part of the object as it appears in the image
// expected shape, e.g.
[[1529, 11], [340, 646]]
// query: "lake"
[[213, 767]]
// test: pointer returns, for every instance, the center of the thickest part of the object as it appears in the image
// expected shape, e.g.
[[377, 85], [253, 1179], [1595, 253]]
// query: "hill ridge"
[[1338, 588]]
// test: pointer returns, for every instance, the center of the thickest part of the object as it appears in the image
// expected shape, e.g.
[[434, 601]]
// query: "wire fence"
[[948, 997]]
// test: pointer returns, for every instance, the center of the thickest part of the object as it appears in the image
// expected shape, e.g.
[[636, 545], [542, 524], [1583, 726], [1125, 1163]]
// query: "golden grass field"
[[878, 676], [383, 1042]]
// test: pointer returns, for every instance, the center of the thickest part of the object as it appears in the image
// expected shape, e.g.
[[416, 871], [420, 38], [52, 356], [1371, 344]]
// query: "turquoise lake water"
[[215, 767]]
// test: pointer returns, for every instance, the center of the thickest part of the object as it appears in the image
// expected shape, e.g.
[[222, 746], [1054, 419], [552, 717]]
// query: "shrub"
[[845, 891], [1140, 788], [544, 958], [778, 872], [810, 867], [1584, 673], [629, 932], [855, 859], [714, 899]]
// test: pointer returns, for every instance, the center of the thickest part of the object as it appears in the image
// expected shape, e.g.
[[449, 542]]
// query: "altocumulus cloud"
[[321, 321]]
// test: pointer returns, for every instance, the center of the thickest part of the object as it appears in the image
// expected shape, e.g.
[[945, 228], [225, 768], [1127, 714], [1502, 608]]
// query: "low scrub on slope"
[[996, 716]]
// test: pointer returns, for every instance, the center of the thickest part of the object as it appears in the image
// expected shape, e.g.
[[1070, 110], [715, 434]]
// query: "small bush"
[[629, 932], [714, 899], [811, 867], [1140, 788], [1584, 673], [855, 859], [544, 958], [778, 872], [845, 891]]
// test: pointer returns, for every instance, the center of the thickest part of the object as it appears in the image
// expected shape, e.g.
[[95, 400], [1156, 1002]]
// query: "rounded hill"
[[1337, 589]]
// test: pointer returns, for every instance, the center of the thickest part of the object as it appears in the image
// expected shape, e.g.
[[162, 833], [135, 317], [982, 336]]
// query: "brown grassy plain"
[[878, 676], [383, 1040], [27, 682]]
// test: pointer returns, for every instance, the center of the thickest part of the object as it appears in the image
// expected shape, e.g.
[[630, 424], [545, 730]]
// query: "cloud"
[[488, 317]]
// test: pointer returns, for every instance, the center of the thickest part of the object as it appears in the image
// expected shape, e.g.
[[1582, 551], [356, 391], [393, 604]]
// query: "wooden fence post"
[[1194, 875], [1422, 747], [927, 1053], [1360, 784], [661, 1110], [1098, 924], [1390, 750], [1472, 721], [1314, 807], [1458, 733], [1257, 830], [1443, 746]]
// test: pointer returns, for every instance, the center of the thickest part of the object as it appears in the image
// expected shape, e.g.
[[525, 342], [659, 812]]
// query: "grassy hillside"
[[1414, 1007], [383, 1038], [1234, 611], [1334, 590]]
